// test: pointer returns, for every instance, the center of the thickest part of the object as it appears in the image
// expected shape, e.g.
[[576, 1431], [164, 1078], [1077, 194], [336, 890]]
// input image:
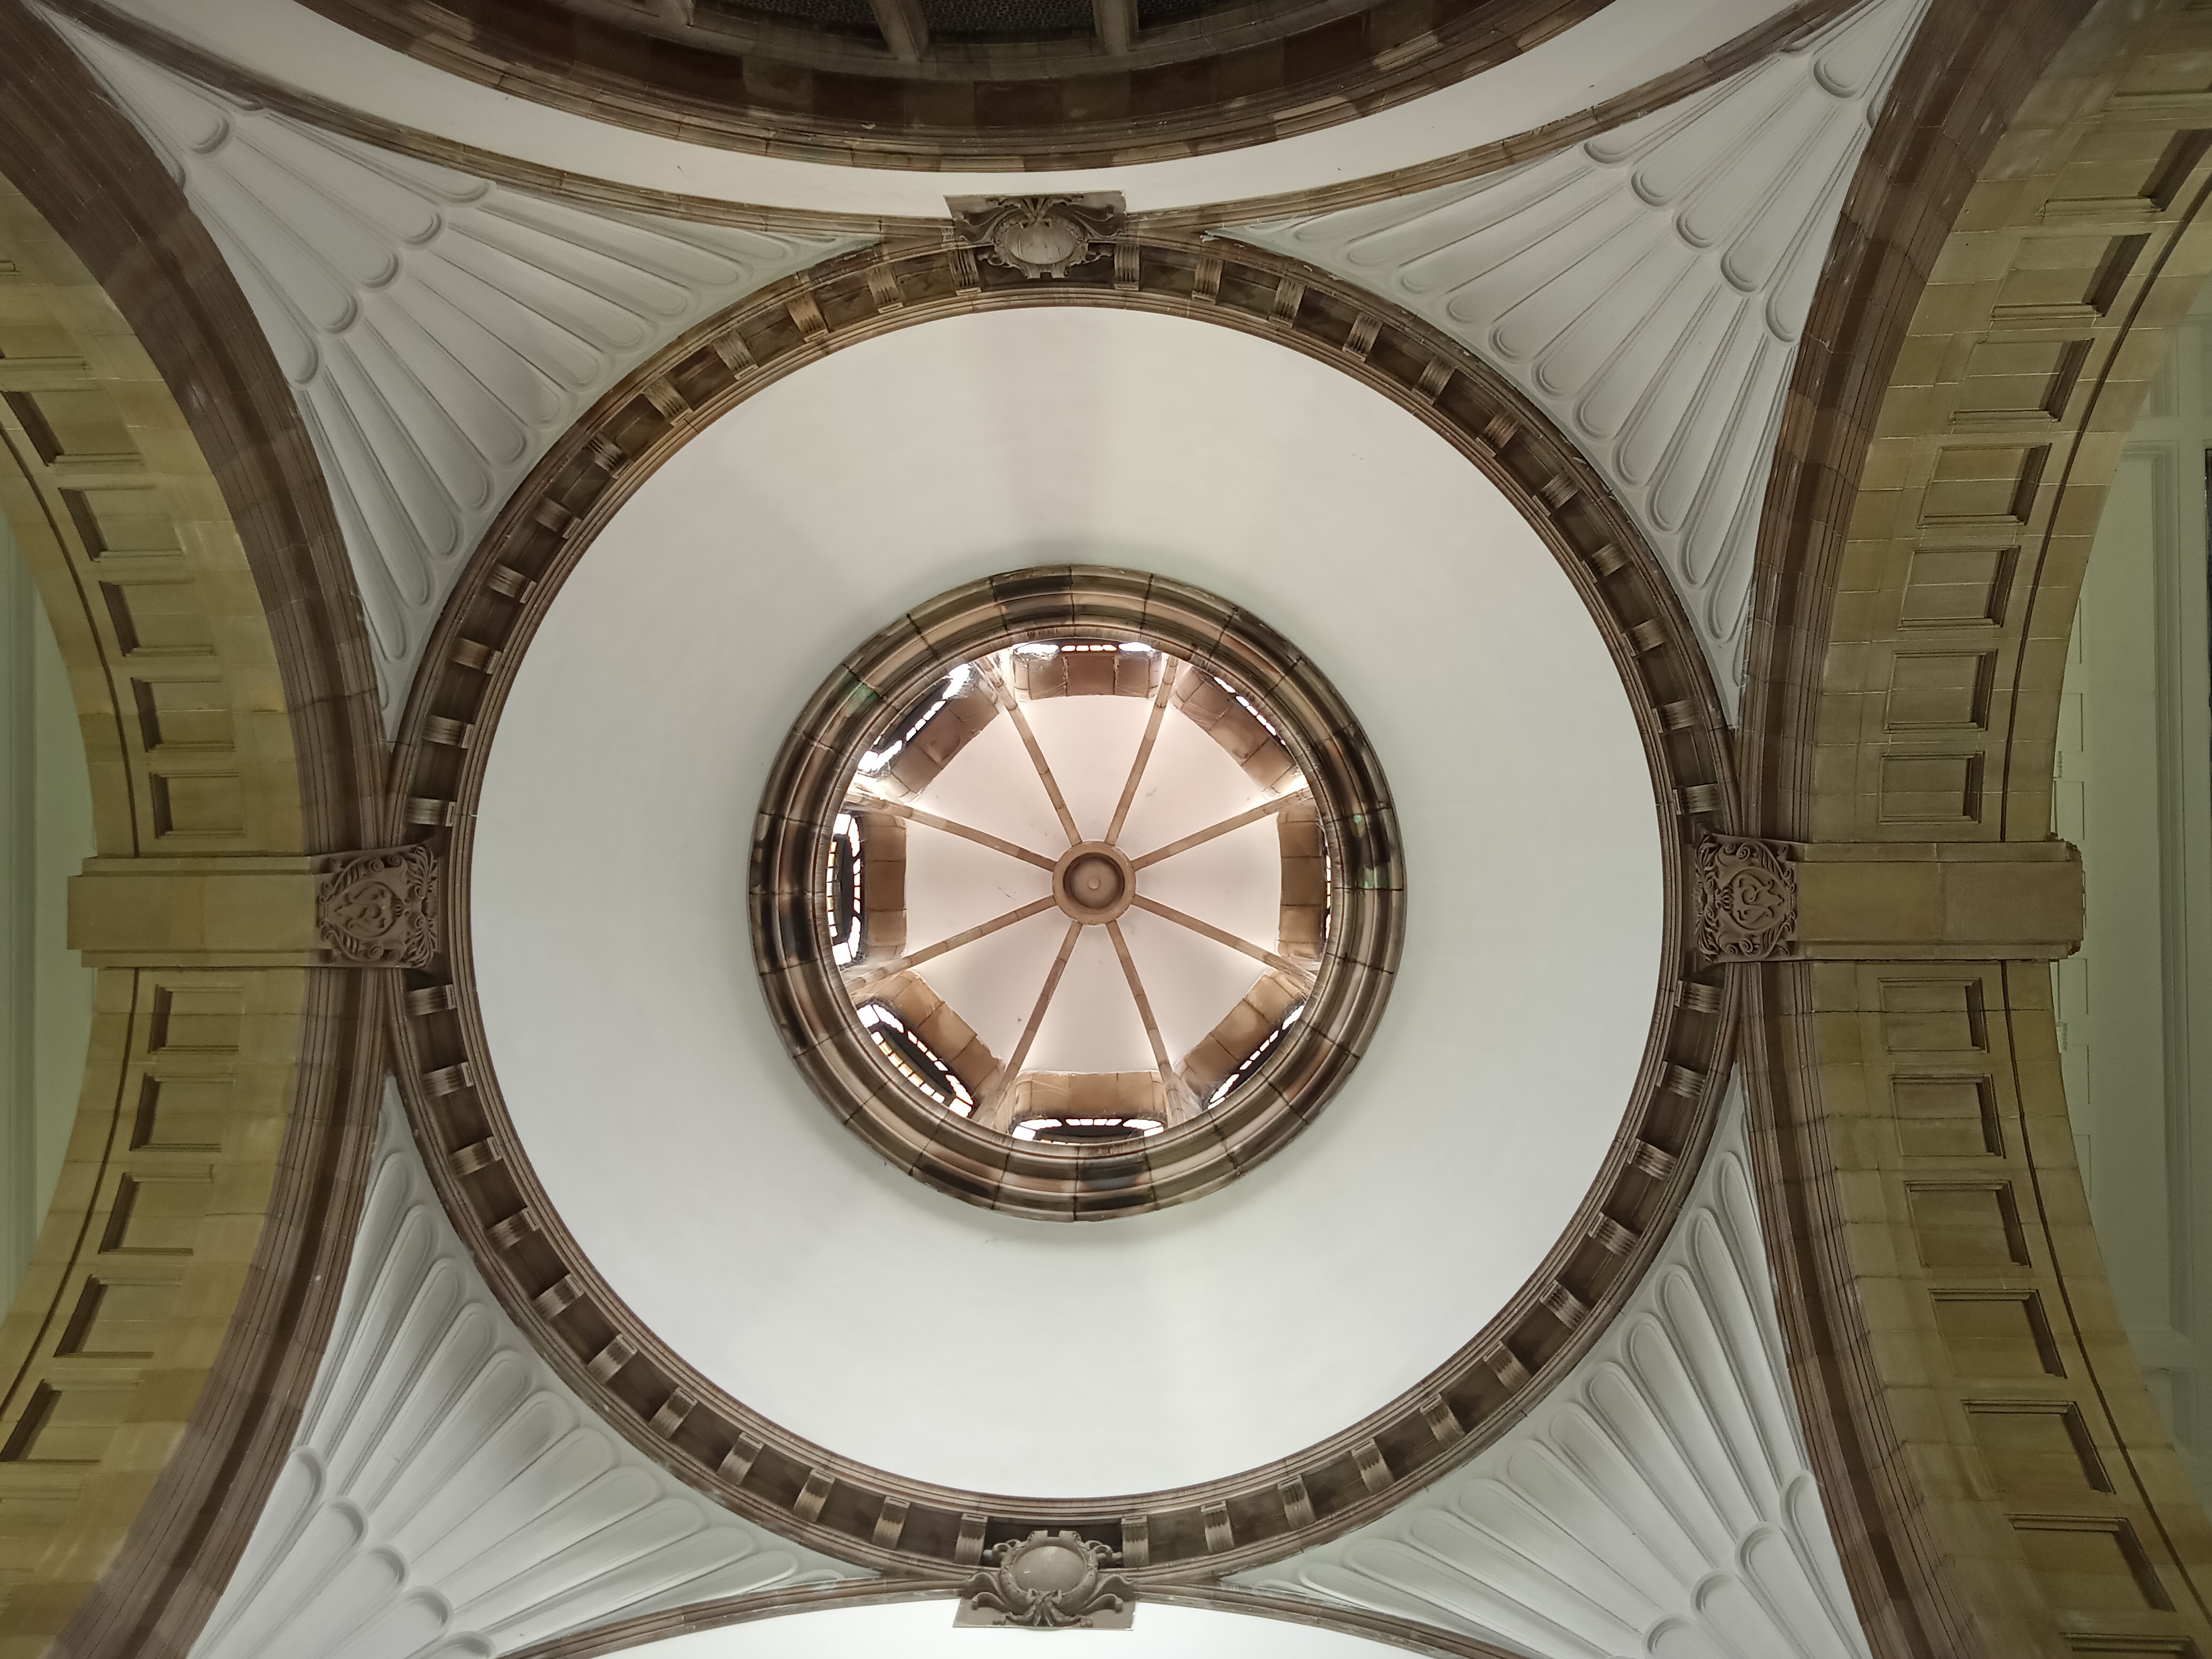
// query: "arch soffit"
[[156, 476]]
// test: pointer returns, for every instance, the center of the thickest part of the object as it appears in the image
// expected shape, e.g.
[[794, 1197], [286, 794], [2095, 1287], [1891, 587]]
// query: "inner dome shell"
[[1078, 891]]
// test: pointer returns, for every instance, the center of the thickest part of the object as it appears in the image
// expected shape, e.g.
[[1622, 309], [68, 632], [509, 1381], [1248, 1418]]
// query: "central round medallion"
[[1081, 894], [1094, 883]]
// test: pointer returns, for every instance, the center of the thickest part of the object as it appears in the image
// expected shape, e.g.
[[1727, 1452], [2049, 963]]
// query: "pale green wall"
[[46, 835], [2135, 792]]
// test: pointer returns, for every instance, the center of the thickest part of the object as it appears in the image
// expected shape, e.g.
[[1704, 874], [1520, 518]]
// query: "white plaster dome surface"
[[766, 1244], [924, 1629]]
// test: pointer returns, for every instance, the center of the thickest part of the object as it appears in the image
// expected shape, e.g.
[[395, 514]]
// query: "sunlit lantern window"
[[1085, 1128], [844, 899], [1250, 1063], [915, 1059], [876, 759]]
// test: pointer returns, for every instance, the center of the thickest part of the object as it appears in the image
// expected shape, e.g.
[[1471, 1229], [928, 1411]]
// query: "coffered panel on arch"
[[440, 330], [1647, 288]]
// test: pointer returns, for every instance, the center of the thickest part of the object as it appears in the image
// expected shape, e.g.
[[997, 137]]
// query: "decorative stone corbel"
[[374, 909], [1038, 235], [1747, 899], [1049, 1581], [379, 908], [1902, 901]]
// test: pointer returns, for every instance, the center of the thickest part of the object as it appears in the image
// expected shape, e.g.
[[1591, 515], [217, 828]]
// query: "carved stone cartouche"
[[1048, 1581], [1747, 899], [381, 907], [1038, 235]]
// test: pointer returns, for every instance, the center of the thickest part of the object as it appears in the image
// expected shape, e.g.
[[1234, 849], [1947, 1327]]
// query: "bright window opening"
[[844, 900], [916, 1060], [1086, 1128], [1250, 1063], [876, 759]]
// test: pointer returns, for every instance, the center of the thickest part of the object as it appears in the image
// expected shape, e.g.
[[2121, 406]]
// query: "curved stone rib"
[[1207, 930], [931, 952], [1145, 1012], [1012, 704], [1199, 838], [930, 820], [1144, 750]]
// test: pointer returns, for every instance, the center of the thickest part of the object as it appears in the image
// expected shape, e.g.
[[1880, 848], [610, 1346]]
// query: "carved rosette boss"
[[1048, 1581], [381, 908], [1747, 899], [1038, 235]]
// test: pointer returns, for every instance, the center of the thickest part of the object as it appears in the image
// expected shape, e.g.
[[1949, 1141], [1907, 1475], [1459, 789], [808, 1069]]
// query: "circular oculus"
[[1228, 754]]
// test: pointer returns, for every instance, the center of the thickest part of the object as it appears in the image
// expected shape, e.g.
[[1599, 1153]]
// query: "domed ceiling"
[[816, 1283], [1081, 882]]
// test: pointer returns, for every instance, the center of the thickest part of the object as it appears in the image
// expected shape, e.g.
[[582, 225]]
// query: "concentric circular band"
[[617, 1363], [806, 790]]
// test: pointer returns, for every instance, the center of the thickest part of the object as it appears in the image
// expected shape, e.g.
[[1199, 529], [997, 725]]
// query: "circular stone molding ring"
[[1093, 881], [830, 985]]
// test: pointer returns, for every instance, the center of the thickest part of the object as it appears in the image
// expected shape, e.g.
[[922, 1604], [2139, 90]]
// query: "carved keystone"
[[1049, 1581], [1039, 236], [1747, 899]]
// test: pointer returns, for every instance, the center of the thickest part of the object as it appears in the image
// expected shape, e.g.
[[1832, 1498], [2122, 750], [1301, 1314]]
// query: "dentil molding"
[[1658, 1503], [438, 330], [1647, 288], [447, 1495]]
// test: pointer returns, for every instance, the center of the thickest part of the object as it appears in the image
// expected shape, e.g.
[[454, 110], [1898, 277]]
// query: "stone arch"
[[154, 469], [543, 1276], [2023, 231]]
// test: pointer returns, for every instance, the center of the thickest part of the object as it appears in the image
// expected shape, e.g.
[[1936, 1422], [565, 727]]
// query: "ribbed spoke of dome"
[[1199, 838], [1173, 1095], [1021, 1054], [930, 820], [931, 952], [1125, 773], [1012, 704], [1137, 769], [1207, 930]]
